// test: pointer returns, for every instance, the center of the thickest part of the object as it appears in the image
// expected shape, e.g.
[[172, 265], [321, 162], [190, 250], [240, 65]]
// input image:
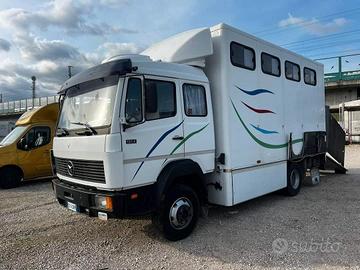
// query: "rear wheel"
[[295, 176], [179, 214], [10, 177]]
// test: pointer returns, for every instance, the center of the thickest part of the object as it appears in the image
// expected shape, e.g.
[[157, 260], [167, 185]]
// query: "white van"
[[211, 115]]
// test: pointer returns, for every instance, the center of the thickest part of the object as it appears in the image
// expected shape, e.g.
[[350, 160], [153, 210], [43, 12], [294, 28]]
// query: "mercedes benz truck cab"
[[126, 127], [211, 115]]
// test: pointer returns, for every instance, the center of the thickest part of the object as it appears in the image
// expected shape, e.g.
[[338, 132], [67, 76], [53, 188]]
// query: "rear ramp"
[[333, 164], [335, 145]]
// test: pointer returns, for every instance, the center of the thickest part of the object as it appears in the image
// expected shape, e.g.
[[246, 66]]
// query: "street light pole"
[[69, 71], [33, 78]]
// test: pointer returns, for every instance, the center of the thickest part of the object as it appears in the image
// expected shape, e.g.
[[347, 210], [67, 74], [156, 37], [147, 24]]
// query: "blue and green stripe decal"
[[156, 145], [185, 139], [264, 131], [255, 92], [257, 140]]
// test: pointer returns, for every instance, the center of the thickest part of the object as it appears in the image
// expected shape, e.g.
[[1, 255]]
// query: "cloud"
[[115, 3], [36, 49], [291, 20], [109, 49], [57, 51], [43, 38], [71, 16], [50, 59], [15, 82], [314, 26], [14, 87], [4, 45]]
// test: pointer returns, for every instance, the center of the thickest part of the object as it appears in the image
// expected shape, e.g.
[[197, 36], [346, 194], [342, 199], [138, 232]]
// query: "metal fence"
[[23, 105], [342, 76]]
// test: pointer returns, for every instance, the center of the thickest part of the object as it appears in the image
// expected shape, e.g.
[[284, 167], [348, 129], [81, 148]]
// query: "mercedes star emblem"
[[70, 168]]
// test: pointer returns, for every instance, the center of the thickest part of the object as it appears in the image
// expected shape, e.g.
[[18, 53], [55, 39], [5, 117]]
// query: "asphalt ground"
[[318, 229]]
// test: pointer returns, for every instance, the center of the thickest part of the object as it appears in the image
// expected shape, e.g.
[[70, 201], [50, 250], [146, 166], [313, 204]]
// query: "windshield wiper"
[[87, 126], [64, 132]]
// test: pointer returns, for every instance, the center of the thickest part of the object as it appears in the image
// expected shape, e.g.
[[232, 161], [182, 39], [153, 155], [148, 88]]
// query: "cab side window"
[[194, 100], [36, 137], [160, 99], [42, 136]]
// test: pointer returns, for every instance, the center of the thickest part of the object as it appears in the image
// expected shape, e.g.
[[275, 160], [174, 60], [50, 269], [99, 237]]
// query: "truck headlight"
[[104, 202]]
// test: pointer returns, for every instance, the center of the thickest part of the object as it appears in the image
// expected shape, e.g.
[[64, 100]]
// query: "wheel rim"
[[295, 179], [181, 213]]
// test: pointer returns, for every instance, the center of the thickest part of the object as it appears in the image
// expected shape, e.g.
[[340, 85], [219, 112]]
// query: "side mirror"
[[125, 125], [22, 144]]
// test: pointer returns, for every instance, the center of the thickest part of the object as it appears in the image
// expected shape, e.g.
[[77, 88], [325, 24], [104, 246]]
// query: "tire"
[[179, 214], [295, 177], [10, 178]]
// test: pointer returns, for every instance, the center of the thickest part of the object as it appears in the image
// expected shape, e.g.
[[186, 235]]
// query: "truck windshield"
[[13, 135], [89, 104]]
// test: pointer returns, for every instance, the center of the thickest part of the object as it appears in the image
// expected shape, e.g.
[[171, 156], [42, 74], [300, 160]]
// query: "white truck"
[[208, 116]]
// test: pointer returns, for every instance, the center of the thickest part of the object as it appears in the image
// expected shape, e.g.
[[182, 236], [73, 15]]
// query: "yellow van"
[[25, 151]]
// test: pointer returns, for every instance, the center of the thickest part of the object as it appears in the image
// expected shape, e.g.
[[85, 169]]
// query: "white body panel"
[[255, 161], [190, 47], [104, 148], [256, 181]]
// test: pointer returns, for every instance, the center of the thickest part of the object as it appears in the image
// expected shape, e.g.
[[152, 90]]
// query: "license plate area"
[[72, 206]]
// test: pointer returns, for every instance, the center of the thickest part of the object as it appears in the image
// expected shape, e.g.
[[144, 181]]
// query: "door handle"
[[177, 137]]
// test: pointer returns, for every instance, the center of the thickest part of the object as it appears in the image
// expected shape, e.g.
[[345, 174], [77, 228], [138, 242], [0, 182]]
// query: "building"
[[342, 94]]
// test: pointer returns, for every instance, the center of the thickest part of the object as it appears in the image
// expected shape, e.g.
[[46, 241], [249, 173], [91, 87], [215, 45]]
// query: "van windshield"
[[13, 135], [89, 105]]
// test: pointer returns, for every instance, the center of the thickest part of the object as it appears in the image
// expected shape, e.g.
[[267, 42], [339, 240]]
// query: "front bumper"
[[124, 203]]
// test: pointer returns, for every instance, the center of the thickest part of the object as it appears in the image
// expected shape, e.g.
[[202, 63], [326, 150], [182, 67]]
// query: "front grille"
[[87, 170]]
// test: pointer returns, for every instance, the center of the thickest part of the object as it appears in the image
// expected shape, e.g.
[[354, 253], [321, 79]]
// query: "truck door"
[[153, 133], [34, 152], [198, 123]]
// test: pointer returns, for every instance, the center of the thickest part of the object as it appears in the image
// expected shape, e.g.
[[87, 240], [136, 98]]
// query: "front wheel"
[[9, 178], [180, 212]]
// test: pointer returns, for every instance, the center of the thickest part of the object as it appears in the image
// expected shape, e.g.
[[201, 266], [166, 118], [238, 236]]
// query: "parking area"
[[317, 229]]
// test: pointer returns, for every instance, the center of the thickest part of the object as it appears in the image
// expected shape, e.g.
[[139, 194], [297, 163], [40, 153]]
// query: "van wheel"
[[10, 178], [179, 214], [295, 176]]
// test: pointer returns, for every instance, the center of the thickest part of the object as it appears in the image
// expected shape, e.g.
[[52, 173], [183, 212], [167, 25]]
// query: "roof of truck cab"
[[138, 64], [46, 113], [147, 66], [172, 70]]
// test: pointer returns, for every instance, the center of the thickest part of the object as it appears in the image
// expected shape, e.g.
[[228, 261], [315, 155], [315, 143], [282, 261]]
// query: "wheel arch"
[[184, 171], [13, 166]]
